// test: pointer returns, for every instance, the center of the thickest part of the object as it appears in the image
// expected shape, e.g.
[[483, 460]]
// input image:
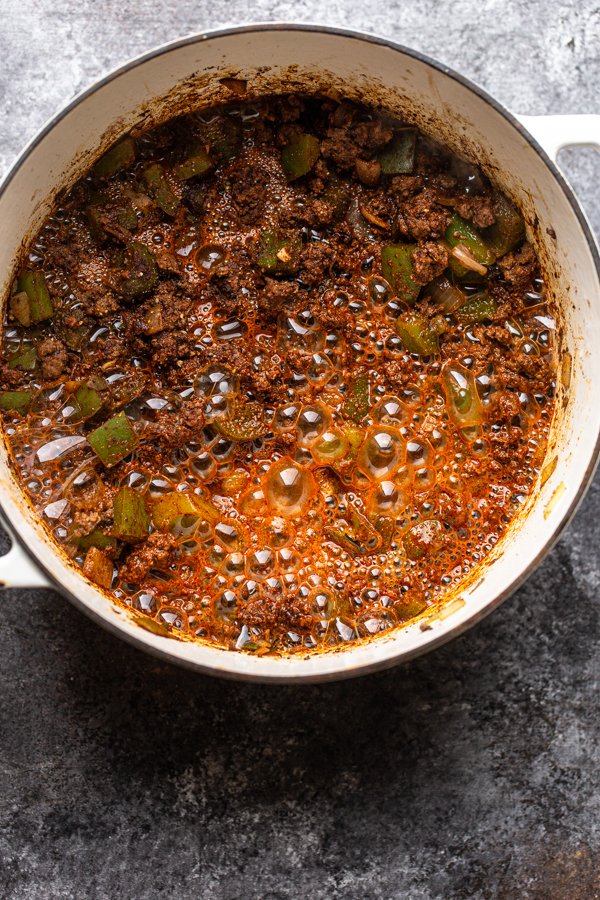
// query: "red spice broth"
[[331, 526]]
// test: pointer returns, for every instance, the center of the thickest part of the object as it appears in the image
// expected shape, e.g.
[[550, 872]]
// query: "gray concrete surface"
[[473, 773]]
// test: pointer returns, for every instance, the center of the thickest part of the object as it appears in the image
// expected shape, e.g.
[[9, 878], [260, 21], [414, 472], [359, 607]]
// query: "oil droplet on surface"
[[391, 411], [209, 256], [261, 564], [294, 334], [320, 370], [289, 488], [252, 503], [58, 448], [286, 417], [312, 422], [379, 291], [382, 453], [230, 535], [387, 499], [278, 532], [289, 560], [233, 565], [332, 445], [230, 330]]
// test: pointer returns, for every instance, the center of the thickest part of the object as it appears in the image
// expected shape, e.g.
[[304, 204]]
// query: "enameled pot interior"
[[187, 76]]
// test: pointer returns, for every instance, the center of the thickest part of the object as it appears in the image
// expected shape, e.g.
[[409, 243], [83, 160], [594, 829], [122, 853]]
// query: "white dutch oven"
[[517, 152]]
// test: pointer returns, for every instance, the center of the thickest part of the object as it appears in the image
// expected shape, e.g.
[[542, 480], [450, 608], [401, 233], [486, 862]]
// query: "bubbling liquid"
[[335, 484]]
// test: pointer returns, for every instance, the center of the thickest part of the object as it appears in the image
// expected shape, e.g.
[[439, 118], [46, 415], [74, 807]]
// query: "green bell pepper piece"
[[141, 272], [279, 251], [408, 609], [131, 521], [222, 136], [299, 156], [438, 324], [89, 401], [423, 538], [118, 157], [76, 338], [126, 217], [103, 212], [460, 231], [397, 269], [174, 505], [198, 164], [98, 539], [477, 309], [356, 535], [160, 189], [417, 334], [15, 401], [357, 404], [337, 195], [355, 437], [508, 230], [113, 440], [24, 359], [34, 285], [386, 528], [398, 157]]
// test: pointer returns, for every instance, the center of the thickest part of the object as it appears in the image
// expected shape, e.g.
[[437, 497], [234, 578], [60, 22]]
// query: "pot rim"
[[340, 671]]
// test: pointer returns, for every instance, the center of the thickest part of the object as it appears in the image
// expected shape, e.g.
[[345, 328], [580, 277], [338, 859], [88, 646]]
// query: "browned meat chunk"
[[520, 266], [429, 260], [233, 278], [168, 262], [345, 144], [275, 297], [54, 358], [316, 263], [368, 171], [421, 218], [104, 305], [504, 407], [170, 346], [288, 132], [249, 193], [173, 429], [452, 510], [404, 186], [478, 209], [309, 211], [152, 554], [272, 612]]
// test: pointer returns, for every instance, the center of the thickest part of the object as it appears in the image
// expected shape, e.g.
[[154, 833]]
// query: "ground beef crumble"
[[282, 334]]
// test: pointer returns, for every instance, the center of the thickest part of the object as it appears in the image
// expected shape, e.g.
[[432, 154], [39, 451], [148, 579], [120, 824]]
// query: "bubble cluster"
[[348, 503]]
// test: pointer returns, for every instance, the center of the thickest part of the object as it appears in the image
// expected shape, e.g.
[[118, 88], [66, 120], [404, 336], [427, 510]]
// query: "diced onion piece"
[[446, 295], [464, 257], [373, 219]]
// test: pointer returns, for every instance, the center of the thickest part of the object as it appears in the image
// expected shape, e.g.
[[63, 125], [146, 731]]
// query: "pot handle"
[[555, 132], [17, 568]]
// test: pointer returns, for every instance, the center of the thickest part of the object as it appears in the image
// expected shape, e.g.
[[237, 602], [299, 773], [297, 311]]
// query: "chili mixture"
[[278, 375]]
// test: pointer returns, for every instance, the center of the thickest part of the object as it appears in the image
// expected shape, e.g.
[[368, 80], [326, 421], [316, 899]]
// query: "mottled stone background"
[[472, 773]]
